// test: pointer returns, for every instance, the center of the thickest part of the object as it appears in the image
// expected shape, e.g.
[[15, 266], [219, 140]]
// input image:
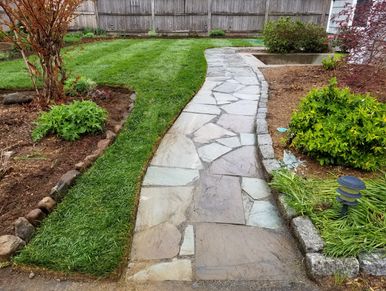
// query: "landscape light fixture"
[[349, 191]]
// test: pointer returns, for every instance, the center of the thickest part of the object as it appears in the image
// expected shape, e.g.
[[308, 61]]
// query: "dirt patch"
[[36, 168], [289, 85]]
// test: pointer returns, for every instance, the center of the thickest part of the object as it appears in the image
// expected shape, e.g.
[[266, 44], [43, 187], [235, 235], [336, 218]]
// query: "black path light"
[[349, 190]]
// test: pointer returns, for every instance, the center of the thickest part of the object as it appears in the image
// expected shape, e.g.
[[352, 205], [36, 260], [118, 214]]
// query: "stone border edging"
[[25, 226], [307, 235]]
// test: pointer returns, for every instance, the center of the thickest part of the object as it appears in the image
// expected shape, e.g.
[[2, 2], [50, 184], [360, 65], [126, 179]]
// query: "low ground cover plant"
[[330, 63], [217, 33], [364, 228], [338, 127], [286, 35], [79, 86], [70, 121]]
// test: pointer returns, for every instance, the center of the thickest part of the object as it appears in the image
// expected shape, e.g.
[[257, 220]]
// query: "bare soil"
[[289, 85], [36, 167]]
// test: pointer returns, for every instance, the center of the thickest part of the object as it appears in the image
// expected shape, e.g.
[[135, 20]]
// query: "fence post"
[[96, 12], [153, 15], [209, 16], [267, 6], [326, 7]]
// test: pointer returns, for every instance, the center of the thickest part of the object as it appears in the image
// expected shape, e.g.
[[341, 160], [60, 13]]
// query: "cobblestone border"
[[25, 226], [310, 242]]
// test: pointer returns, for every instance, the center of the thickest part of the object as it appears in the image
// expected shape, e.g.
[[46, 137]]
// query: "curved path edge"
[[205, 210]]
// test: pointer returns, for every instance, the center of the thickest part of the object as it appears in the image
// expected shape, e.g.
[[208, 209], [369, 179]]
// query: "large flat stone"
[[163, 204], [188, 123], [247, 80], [230, 252], [231, 142], [264, 214], [204, 97], [210, 132], [237, 123], [248, 139], [210, 152], [156, 176], [159, 242], [176, 270], [223, 98], [202, 108], [218, 199], [177, 151], [227, 87], [250, 90], [373, 263], [243, 107], [256, 188], [239, 162]]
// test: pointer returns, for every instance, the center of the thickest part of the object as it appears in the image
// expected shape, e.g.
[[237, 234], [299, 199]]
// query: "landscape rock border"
[[310, 242], [25, 226]]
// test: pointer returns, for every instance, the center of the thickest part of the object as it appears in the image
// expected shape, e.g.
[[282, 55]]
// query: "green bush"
[[70, 121], [338, 127], [217, 33], [286, 35], [79, 86], [330, 63]]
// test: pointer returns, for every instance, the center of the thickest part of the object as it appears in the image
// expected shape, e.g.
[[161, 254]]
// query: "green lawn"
[[90, 231]]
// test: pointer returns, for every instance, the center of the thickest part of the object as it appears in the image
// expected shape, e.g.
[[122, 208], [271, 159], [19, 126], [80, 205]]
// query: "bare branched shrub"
[[362, 32], [40, 26]]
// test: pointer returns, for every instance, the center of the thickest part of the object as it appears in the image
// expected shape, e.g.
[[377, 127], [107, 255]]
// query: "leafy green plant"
[[364, 228], [217, 33], [70, 121], [338, 127], [79, 86], [286, 35], [330, 63], [88, 35]]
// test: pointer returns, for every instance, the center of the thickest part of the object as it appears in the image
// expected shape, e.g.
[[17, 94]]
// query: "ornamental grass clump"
[[338, 127], [71, 121], [363, 230]]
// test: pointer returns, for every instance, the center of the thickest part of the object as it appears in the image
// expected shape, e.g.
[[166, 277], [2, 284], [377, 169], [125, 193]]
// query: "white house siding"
[[336, 7]]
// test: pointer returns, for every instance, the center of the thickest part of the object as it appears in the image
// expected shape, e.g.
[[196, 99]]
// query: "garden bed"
[[288, 85], [36, 167]]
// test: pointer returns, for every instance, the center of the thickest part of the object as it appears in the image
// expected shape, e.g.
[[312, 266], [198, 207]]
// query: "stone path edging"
[[24, 227], [205, 210], [310, 242]]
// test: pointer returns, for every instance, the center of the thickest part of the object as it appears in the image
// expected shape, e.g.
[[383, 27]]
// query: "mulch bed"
[[288, 85], [36, 167]]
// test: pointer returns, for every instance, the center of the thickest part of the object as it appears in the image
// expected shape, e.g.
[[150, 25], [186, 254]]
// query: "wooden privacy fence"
[[174, 16]]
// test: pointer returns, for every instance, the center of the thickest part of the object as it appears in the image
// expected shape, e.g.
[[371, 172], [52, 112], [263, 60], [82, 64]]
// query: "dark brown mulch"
[[36, 168], [288, 85]]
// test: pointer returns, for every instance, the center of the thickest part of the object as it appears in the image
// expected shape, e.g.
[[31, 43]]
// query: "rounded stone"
[[24, 229], [35, 216], [47, 204], [9, 245]]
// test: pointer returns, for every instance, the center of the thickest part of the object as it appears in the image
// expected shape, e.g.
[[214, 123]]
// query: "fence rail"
[[200, 16]]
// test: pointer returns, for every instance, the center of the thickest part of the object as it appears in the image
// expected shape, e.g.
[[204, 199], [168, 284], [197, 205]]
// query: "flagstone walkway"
[[205, 211]]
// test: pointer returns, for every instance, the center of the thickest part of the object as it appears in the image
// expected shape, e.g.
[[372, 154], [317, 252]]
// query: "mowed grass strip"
[[90, 231]]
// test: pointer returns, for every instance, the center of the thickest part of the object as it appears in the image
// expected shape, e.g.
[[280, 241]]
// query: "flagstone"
[[187, 247], [188, 123], [264, 214], [177, 151], [227, 87], [223, 98], [176, 270], [163, 204], [157, 176], [235, 252], [210, 132], [159, 242], [243, 107], [252, 97], [232, 142], [237, 123], [239, 162], [210, 152], [218, 199], [204, 98], [247, 80], [248, 139], [256, 188], [202, 108]]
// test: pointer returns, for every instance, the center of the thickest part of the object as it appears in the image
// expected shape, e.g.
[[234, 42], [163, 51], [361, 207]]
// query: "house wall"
[[336, 7]]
